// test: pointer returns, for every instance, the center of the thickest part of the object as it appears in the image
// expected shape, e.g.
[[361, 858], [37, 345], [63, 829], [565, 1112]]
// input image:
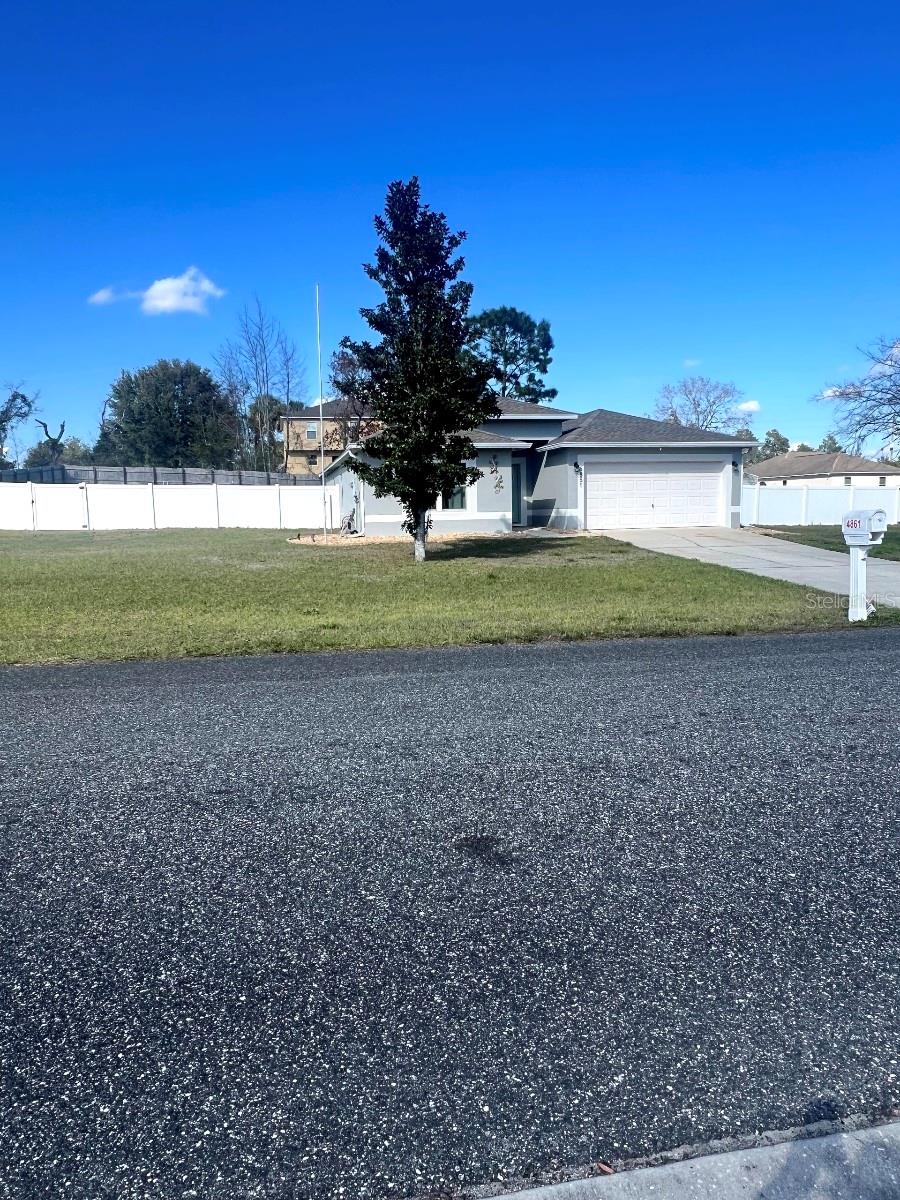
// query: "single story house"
[[596, 470], [812, 468]]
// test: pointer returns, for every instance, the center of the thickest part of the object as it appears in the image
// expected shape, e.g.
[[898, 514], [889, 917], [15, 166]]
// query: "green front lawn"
[[67, 596], [830, 537]]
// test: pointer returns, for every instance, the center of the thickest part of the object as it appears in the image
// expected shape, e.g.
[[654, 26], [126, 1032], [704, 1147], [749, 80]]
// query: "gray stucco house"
[[595, 470]]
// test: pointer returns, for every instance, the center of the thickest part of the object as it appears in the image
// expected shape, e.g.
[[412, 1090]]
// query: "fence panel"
[[15, 506], [826, 506], [876, 498], [302, 508], [248, 508], [162, 506], [813, 505], [193, 507], [58, 506], [781, 506], [118, 506]]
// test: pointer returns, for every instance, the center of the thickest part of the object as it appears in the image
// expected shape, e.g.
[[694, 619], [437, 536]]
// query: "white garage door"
[[620, 497]]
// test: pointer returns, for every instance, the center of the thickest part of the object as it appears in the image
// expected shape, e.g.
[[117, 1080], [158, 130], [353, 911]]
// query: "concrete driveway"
[[773, 557], [382, 925]]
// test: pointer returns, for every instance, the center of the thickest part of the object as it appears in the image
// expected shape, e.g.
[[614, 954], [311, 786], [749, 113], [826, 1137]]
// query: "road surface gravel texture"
[[397, 924]]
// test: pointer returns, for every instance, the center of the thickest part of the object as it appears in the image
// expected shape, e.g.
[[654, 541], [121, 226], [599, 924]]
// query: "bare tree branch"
[[262, 370], [700, 402], [870, 407]]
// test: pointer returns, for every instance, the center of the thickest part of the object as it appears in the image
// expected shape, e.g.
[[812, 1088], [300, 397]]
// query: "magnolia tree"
[[425, 387]]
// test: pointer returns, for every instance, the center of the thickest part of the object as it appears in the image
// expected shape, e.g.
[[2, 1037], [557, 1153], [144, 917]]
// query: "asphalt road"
[[384, 925]]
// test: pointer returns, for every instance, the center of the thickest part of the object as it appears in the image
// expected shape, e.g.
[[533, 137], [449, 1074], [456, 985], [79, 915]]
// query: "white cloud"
[[692, 362], [830, 393], [749, 406], [188, 292], [106, 295], [180, 293]]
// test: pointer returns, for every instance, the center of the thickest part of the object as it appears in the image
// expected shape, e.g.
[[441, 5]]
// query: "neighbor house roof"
[[334, 410], [804, 464], [602, 427], [337, 409]]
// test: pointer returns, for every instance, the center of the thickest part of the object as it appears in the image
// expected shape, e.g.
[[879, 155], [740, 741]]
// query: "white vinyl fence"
[[776, 505], [46, 506]]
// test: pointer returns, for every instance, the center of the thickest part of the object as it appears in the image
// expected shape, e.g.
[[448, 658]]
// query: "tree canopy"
[[830, 445], [261, 372], [425, 385], [517, 349], [48, 452], [14, 409], [773, 444], [170, 414], [869, 407], [700, 402]]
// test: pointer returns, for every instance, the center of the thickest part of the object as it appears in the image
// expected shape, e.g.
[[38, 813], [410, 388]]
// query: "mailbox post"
[[863, 528]]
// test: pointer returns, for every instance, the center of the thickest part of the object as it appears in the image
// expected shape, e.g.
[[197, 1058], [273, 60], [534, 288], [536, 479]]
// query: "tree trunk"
[[420, 536]]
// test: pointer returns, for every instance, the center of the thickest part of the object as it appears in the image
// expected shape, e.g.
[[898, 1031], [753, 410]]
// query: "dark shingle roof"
[[495, 437], [508, 408], [604, 426], [803, 464], [524, 408], [331, 410]]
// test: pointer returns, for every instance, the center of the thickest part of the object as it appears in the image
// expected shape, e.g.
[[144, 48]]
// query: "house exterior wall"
[[301, 454], [737, 489], [554, 494], [528, 429], [569, 509], [488, 502]]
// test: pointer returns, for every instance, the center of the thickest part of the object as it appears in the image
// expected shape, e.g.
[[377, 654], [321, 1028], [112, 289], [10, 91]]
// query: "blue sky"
[[702, 183]]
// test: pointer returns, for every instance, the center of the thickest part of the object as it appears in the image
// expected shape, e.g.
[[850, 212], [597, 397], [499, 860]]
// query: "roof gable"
[[509, 407], [602, 426]]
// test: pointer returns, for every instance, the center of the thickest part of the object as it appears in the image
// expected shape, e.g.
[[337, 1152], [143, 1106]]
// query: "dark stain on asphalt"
[[484, 848]]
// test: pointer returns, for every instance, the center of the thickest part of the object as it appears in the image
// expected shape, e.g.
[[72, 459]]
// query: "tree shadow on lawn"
[[516, 546]]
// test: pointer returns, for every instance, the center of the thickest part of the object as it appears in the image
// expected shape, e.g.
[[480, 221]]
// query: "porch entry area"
[[518, 504]]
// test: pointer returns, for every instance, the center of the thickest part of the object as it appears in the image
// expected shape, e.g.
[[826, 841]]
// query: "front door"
[[517, 494]]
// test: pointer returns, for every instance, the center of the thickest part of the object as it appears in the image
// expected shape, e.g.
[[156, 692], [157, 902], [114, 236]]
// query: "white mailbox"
[[863, 528]]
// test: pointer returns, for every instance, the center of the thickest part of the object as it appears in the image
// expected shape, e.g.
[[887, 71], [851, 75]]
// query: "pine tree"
[[517, 349], [425, 386]]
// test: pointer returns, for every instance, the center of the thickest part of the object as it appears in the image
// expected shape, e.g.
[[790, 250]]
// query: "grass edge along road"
[[830, 537], [67, 597]]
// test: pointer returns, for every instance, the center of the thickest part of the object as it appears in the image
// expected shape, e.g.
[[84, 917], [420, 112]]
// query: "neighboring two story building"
[[549, 466], [343, 423]]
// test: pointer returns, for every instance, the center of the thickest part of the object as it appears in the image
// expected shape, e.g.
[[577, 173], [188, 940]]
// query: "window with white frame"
[[455, 499], [882, 480], [312, 433], [848, 481]]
